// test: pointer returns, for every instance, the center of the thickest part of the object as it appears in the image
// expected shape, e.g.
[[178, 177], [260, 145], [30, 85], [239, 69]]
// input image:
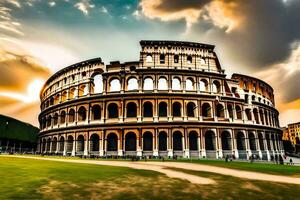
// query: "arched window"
[[230, 111], [130, 142], [176, 84], [132, 84], [63, 117], [80, 143], [262, 117], [163, 109], [176, 59], [238, 112], [113, 110], [177, 141], [112, 142], [162, 141], [226, 140], [206, 110], [149, 58], [252, 141], [189, 60], [256, 117], [70, 143], [261, 141], [216, 87], [148, 109], [94, 142], [248, 114], [82, 90], [189, 85], [72, 93], [96, 112], [203, 85], [162, 59], [147, 141], [220, 110], [210, 141], [49, 121], [64, 96], [162, 84], [82, 114], [148, 84], [193, 141], [191, 109], [54, 144], [202, 61], [55, 119], [114, 85], [61, 144], [98, 83], [240, 140], [176, 108], [71, 115], [131, 110], [51, 101]]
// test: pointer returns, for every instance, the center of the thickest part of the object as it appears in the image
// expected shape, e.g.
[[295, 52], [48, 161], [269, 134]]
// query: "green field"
[[37, 179]]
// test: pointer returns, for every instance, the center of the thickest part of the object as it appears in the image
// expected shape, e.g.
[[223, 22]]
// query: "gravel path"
[[163, 167]]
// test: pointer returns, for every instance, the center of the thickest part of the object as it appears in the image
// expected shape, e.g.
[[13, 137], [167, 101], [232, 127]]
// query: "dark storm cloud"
[[176, 5]]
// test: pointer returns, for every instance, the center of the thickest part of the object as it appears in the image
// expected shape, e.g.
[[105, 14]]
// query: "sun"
[[33, 90]]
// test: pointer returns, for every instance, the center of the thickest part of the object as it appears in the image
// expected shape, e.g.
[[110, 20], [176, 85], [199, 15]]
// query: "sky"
[[259, 38]]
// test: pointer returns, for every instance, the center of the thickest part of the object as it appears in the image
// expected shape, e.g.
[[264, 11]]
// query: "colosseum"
[[174, 101]]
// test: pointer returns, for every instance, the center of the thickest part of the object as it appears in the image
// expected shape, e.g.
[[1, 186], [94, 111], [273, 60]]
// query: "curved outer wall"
[[174, 101]]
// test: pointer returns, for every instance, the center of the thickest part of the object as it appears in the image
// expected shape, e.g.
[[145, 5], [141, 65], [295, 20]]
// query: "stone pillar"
[[169, 140], [155, 143], [101, 153], [74, 147], [139, 145]]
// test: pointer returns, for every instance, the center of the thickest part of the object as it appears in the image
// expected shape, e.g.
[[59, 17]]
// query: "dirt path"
[[162, 167]]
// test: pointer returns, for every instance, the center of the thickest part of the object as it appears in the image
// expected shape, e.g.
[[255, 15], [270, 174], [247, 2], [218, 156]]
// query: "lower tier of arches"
[[166, 142]]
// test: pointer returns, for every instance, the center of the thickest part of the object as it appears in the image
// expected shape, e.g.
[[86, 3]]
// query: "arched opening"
[[255, 112], [98, 84], [51, 101], [261, 141], [96, 112], [162, 141], [63, 117], [147, 141], [112, 142], [148, 84], [148, 109], [216, 88], [191, 108], [189, 60], [189, 85], [83, 90], [44, 145], [177, 141], [162, 59], [193, 141], [176, 108], [176, 84], [266, 117], [176, 59], [113, 110], [61, 144], [252, 141], [80, 143], [248, 114], [54, 144], [206, 110], [130, 142], [262, 117], [114, 85], [72, 93], [149, 58], [131, 109], [162, 84], [48, 144], [94, 142], [64, 96], [220, 110], [226, 140], [71, 115], [203, 85], [70, 144], [55, 119], [163, 109], [132, 84], [49, 121], [238, 112], [210, 141], [82, 114], [230, 110], [56, 99], [240, 140]]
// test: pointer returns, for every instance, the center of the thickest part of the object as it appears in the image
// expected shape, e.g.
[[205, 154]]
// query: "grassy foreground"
[[23, 178]]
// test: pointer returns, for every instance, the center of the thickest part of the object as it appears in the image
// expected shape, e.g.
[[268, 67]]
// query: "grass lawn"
[[37, 179]]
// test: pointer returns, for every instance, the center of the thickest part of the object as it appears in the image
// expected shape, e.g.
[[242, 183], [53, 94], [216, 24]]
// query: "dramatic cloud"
[[84, 6]]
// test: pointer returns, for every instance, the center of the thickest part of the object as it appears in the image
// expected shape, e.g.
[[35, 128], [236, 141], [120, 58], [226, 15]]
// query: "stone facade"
[[176, 100]]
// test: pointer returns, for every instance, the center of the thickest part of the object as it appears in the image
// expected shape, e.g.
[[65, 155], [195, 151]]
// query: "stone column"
[[169, 140], [155, 143]]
